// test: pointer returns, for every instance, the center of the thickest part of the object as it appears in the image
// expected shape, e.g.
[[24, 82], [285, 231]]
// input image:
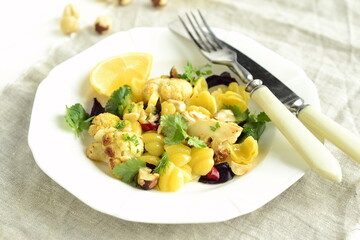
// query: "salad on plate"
[[163, 132]]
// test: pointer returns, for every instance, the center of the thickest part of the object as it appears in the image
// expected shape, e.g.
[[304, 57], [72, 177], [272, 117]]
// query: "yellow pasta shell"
[[201, 160], [245, 152]]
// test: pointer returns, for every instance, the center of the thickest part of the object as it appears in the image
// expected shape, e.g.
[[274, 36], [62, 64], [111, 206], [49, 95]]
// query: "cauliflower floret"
[[176, 89], [103, 120], [95, 152], [114, 147], [167, 88], [151, 86]]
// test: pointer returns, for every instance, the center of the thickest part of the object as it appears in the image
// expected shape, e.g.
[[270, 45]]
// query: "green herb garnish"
[[253, 125], [217, 126], [196, 142], [133, 139], [174, 127], [162, 165], [77, 118], [192, 73], [118, 101], [128, 170], [120, 125], [131, 107]]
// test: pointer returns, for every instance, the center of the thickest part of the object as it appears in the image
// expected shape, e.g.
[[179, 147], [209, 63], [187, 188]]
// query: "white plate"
[[62, 156]]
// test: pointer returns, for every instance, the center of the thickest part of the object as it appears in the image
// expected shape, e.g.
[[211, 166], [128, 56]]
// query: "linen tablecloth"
[[322, 37]]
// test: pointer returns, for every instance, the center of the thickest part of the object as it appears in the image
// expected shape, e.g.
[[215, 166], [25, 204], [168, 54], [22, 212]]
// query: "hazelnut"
[[71, 10], [69, 24], [173, 72], [159, 3], [103, 24], [146, 179], [124, 2]]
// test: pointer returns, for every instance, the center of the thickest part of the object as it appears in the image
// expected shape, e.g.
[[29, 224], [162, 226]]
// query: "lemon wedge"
[[131, 69]]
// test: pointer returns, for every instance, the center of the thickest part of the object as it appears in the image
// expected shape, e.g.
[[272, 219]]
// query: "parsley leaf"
[[118, 101], [196, 142], [192, 73], [128, 170], [174, 127], [254, 129], [77, 118], [162, 165], [253, 125], [262, 117]]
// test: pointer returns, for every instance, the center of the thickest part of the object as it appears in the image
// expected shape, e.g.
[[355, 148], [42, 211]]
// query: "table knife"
[[319, 124]]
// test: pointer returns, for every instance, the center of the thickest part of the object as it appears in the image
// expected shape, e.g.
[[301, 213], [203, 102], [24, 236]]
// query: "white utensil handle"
[[332, 131], [310, 148]]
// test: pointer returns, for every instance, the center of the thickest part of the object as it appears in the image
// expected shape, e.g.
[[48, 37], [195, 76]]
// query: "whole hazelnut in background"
[[71, 10], [69, 24], [159, 3], [124, 2], [103, 24]]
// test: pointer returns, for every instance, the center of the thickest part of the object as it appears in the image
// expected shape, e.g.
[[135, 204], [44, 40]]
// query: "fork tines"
[[200, 32]]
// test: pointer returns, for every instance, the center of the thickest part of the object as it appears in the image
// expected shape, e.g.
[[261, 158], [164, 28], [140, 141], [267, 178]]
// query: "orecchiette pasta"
[[179, 154], [204, 99], [146, 157], [231, 98], [201, 160], [187, 171], [200, 85], [154, 143], [235, 87], [245, 152], [173, 178]]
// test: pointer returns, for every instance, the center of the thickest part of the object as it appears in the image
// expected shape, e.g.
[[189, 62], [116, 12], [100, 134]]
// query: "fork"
[[307, 145]]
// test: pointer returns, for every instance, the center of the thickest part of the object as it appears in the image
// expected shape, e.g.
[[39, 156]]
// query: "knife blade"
[[319, 124]]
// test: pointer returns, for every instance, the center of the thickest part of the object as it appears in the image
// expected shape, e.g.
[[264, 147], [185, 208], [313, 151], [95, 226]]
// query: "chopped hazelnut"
[[124, 2], [103, 24], [146, 179], [159, 3], [71, 10], [173, 72], [69, 24], [221, 155]]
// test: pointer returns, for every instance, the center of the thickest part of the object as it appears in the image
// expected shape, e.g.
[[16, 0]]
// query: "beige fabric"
[[320, 36]]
